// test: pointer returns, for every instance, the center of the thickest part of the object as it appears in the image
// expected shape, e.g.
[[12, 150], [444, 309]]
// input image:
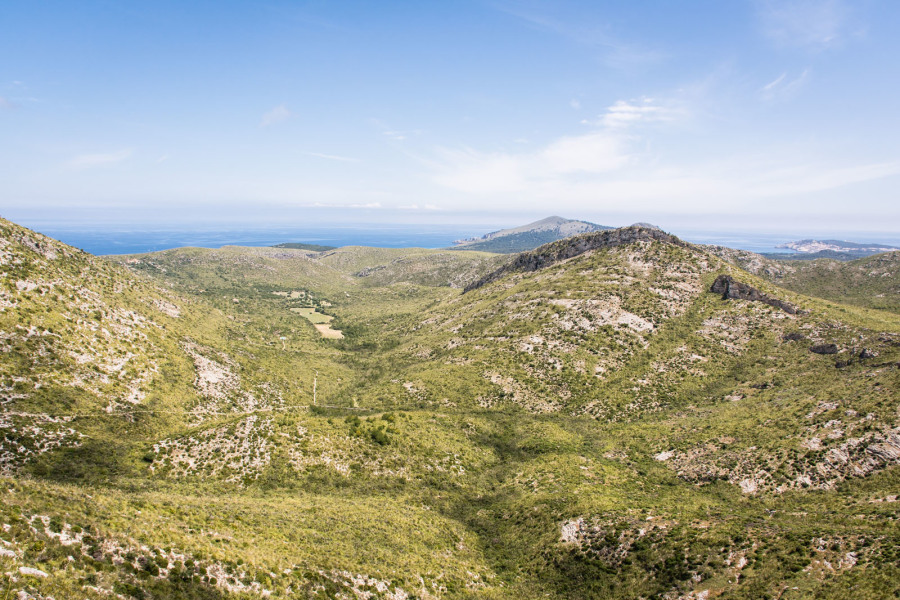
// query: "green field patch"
[[320, 321]]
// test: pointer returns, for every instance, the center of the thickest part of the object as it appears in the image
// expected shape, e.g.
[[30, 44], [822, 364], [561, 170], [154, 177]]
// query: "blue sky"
[[740, 115]]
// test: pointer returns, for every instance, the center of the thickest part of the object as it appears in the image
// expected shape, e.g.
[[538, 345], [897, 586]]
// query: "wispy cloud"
[[365, 205], [393, 133], [277, 115], [92, 161], [625, 113], [617, 53], [807, 178], [162, 158], [5, 104], [608, 147], [333, 157], [783, 88], [417, 207], [814, 24], [476, 172]]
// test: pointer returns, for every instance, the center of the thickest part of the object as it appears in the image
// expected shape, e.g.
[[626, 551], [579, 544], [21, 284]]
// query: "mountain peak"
[[529, 236]]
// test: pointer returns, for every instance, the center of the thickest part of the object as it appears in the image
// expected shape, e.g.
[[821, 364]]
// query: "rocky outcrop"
[[735, 290], [555, 252]]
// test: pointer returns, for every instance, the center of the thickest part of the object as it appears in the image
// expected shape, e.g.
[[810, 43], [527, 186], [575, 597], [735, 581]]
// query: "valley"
[[584, 419]]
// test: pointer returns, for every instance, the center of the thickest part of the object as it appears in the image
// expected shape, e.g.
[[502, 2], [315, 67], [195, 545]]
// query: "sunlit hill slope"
[[586, 419]]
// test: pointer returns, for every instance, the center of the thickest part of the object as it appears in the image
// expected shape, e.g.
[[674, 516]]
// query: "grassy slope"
[[476, 427]]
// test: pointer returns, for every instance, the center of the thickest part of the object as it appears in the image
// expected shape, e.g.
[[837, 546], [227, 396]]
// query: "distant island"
[[301, 246], [528, 237], [836, 246], [834, 249]]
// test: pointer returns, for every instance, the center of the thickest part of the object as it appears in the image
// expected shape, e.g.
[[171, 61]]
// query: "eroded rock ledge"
[[554, 252], [735, 290]]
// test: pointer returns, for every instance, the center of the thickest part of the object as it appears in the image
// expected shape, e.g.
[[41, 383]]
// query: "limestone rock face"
[[735, 290], [550, 254]]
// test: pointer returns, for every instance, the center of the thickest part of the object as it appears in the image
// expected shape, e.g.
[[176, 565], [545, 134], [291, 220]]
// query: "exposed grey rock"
[[369, 271], [734, 290], [555, 252], [793, 337], [889, 448]]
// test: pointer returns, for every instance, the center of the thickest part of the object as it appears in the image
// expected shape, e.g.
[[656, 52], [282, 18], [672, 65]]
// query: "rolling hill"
[[588, 419]]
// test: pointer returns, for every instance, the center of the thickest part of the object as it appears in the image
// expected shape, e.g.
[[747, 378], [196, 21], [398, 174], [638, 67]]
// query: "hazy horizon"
[[132, 238]]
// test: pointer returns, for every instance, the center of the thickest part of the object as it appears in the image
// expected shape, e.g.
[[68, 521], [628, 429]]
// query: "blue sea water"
[[133, 240], [762, 242], [117, 240]]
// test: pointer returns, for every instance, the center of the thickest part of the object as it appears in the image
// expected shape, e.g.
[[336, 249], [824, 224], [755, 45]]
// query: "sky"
[[754, 115]]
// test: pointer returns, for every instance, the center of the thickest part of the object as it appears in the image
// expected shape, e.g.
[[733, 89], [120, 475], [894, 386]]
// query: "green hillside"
[[872, 281], [586, 420]]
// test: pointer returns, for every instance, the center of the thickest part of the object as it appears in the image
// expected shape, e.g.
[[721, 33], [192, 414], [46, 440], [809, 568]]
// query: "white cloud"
[[609, 147], [90, 161], [5, 104], [417, 207], [774, 83], [476, 172], [575, 103], [366, 205], [401, 135], [596, 152], [782, 88], [162, 158], [393, 133], [333, 157], [625, 113], [814, 24], [277, 115]]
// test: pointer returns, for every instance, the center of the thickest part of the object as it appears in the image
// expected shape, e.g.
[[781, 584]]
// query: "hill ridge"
[[528, 236], [554, 252]]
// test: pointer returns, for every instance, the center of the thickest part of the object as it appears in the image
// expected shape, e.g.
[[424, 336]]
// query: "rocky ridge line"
[[555, 252]]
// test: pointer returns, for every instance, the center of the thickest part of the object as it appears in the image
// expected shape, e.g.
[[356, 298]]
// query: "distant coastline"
[[131, 240]]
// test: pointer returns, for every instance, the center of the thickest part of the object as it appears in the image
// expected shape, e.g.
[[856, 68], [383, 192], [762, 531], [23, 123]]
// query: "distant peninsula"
[[836, 249], [528, 237]]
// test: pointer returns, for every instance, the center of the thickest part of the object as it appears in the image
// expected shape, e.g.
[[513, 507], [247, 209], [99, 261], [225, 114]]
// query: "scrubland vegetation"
[[603, 426]]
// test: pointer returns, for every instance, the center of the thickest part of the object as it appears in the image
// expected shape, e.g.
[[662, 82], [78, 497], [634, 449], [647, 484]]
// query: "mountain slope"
[[872, 282], [590, 420], [528, 237]]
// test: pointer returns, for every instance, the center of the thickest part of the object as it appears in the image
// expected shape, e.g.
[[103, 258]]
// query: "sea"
[[134, 240]]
